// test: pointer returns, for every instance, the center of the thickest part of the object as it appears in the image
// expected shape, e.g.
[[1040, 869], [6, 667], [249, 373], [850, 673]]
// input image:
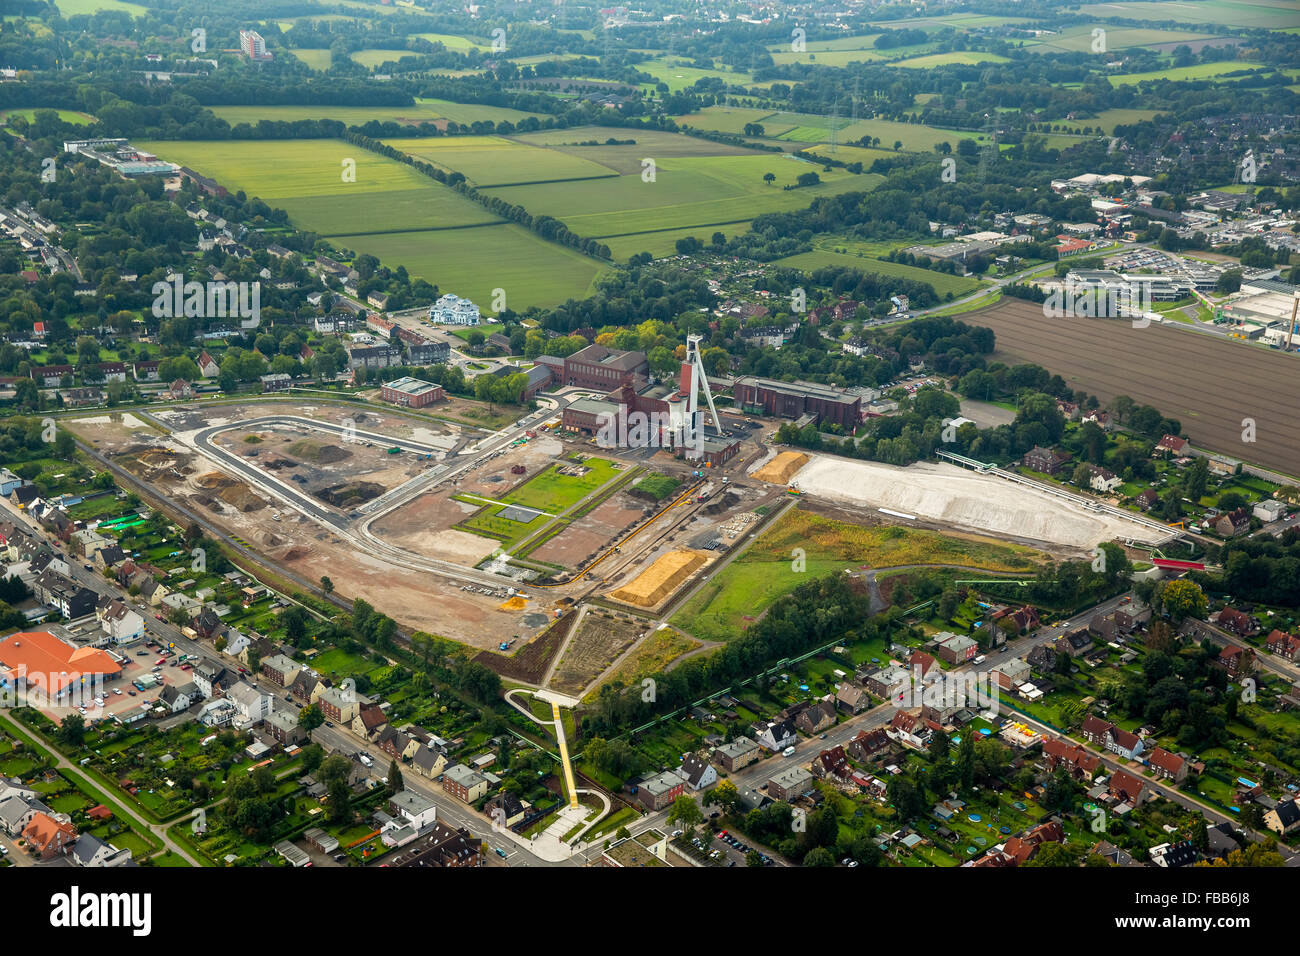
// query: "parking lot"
[[139, 660]]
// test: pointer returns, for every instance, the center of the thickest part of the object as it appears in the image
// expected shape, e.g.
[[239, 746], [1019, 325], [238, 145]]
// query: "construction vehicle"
[[395, 450]]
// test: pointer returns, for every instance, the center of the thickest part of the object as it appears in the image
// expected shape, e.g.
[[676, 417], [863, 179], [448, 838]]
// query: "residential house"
[[1075, 644], [1237, 622], [1045, 460], [465, 784], [417, 810], [282, 727], [776, 736], [252, 703], [338, 705], [661, 790], [49, 837], [429, 762], [868, 743], [1147, 499], [505, 809], [119, 622], [1237, 661], [789, 783], [1172, 444], [1283, 818], [178, 698], [833, 764], [370, 721], [209, 678], [1167, 766], [1233, 523], [1283, 644], [1127, 788], [958, 649], [697, 772], [208, 366], [1103, 479], [280, 670], [1042, 658], [91, 851], [817, 718], [1104, 734], [1011, 673], [1077, 761], [909, 729], [852, 699], [737, 754]]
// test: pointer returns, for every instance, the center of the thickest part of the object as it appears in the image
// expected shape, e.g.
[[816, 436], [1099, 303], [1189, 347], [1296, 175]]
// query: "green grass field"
[[809, 128], [1079, 39], [453, 42], [956, 21], [678, 74], [627, 159], [664, 242], [395, 213], [850, 154], [826, 255], [495, 161], [553, 492], [1268, 14], [749, 585], [968, 57], [76, 117], [724, 119], [305, 178], [351, 115], [1198, 71], [315, 59], [686, 192], [474, 262], [466, 113], [72, 8]]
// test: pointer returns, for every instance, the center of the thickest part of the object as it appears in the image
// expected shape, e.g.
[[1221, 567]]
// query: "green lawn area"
[[1269, 14], [496, 161], [72, 8], [1198, 71], [751, 583], [315, 59], [553, 492], [679, 74], [305, 178], [835, 251], [968, 57], [75, 117], [687, 192]]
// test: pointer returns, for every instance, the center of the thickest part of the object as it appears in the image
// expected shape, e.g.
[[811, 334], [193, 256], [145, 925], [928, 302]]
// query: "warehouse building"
[[411, 392]]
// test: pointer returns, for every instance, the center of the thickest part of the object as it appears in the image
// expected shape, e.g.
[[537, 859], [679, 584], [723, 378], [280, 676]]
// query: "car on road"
[[130, 693], [141, 653], [117, 691], [89, 567], [186, 667], [160, 661], [788, 752], [979, 659], [500, 852]]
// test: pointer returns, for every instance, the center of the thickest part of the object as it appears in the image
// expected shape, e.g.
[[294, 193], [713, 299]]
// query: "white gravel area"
[[953, 495]]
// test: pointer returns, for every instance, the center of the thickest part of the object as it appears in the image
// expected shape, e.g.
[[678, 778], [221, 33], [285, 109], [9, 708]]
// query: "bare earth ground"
[[579, 542], [1205, 382], [415, 599], [963, 498], [600, 639]]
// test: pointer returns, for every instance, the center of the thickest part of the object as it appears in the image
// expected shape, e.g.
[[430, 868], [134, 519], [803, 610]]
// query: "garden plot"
[[600, 639]]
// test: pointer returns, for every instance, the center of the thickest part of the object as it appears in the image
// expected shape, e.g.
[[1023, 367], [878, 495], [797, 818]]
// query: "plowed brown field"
[[1207, 383]]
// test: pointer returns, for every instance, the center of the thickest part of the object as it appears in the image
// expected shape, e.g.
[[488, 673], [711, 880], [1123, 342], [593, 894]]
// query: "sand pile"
[[947, 493], [782, 468], [660, 579]]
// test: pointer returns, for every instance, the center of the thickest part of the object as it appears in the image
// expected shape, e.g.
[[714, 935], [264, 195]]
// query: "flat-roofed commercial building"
[[763, 396], [411, 392]]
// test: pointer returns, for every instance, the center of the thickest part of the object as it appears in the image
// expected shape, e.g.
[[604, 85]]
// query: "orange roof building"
[[48, 836], [42, 660]]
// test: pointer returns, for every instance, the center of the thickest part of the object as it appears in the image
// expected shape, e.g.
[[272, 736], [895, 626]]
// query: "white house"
[[453, 310], [415, 808], [1104, 480], [251, 703], [120, 623], [697, 772], [217, 713]]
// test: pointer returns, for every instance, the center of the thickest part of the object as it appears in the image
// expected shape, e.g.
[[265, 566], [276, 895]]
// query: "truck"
[[704, 492], [395, 450]]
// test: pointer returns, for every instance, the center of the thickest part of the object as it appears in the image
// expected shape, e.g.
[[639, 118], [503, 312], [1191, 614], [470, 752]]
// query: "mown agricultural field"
[[424, 111], [315, 59], [1197, 71], [1079, 39], [432, 230], [678, 74], [811, 128], [555, 492], [828, 253], [743, 590], [1268, 14], [967, 57], [75, 117], [476, 261], [305, 178], [497, 161], [686, 192]]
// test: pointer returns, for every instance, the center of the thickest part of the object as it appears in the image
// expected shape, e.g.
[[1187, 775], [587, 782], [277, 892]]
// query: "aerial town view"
[[752, 434]]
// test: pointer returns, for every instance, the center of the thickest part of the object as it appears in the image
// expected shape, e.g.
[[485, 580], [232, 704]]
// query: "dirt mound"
[[295, 554], [320, 453], [241, 497], [725, 503], [660, 579], [782, 468], [351, 494], [214, 480]]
